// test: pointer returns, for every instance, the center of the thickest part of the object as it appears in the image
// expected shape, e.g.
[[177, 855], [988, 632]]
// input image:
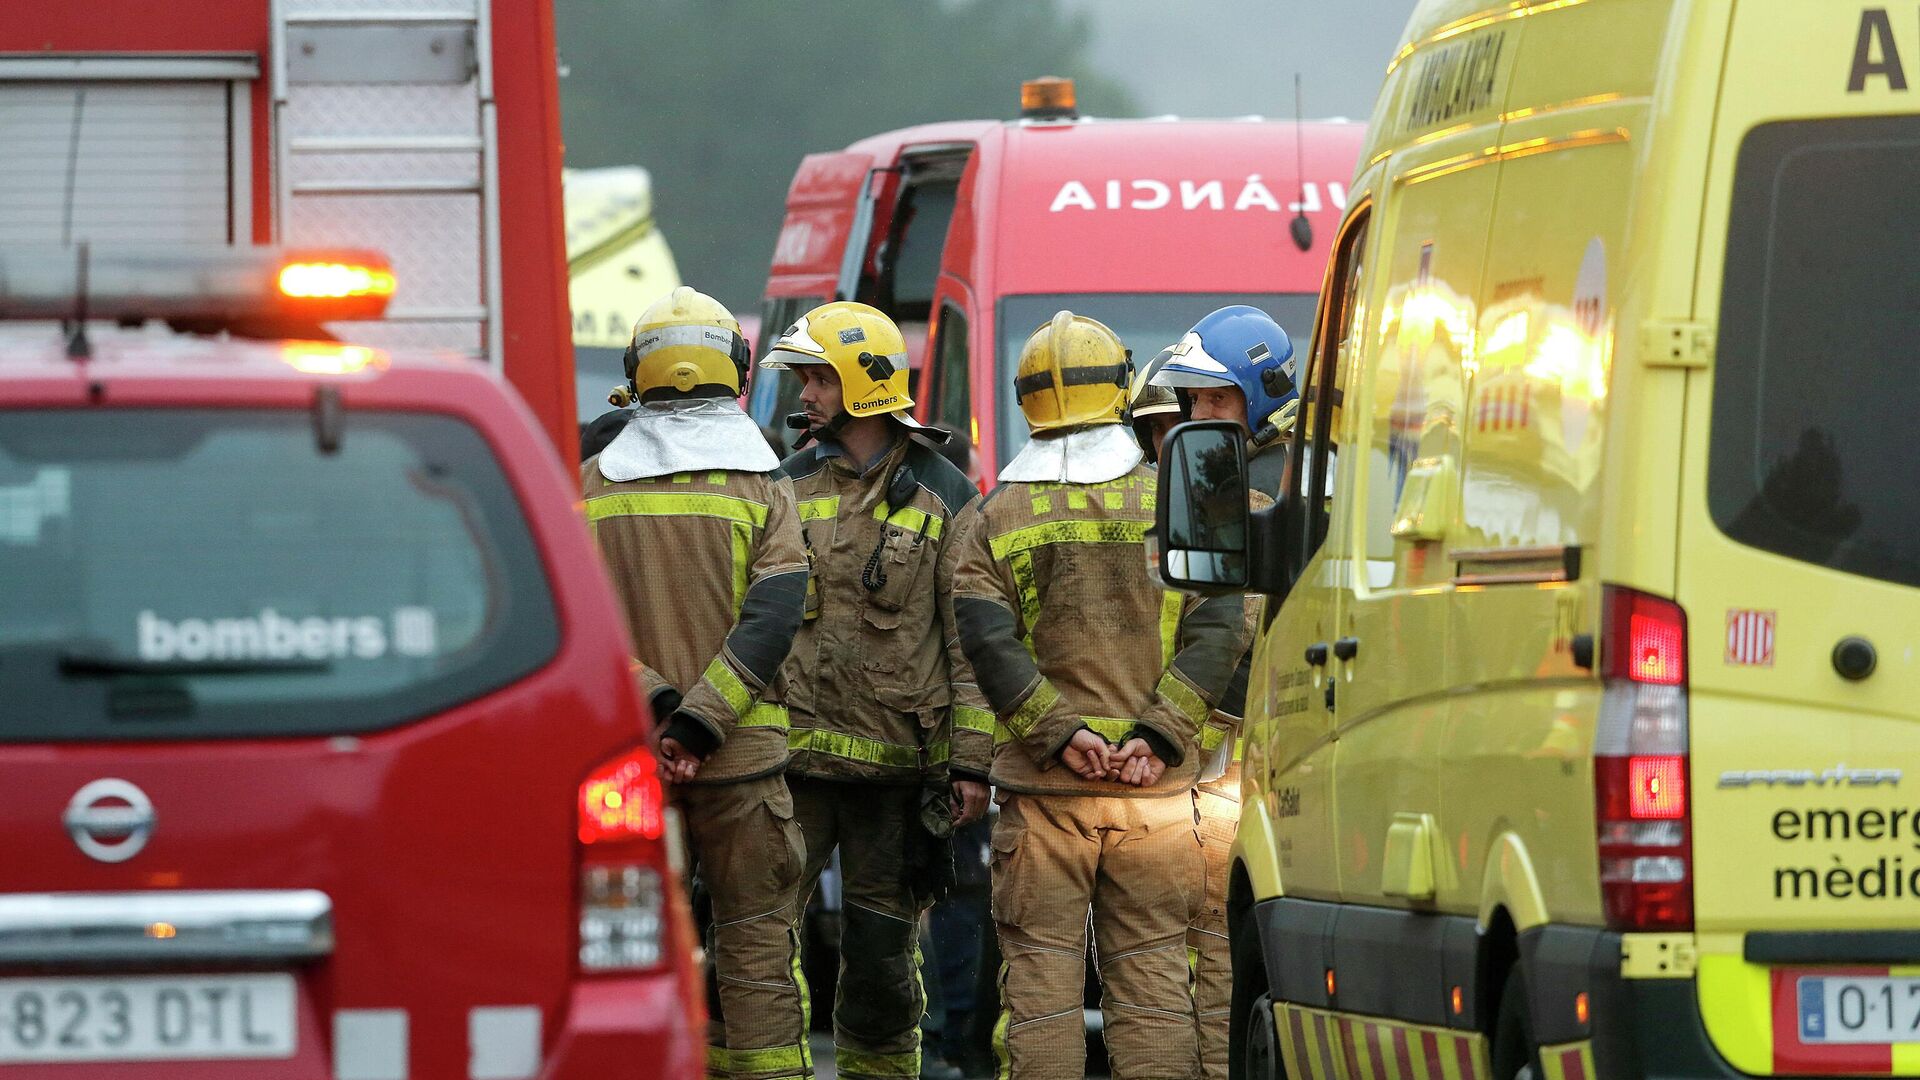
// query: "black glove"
[[688, 731], [930, 873], [665, 702]]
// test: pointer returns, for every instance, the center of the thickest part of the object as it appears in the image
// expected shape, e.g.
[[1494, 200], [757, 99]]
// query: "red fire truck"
[[971, 234], [430, 132]]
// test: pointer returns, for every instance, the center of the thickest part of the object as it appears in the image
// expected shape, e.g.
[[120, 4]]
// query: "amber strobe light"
[[334, 280], [1049, 97]]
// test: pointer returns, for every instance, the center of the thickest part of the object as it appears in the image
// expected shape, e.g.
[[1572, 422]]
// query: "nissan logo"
[[110, 820]]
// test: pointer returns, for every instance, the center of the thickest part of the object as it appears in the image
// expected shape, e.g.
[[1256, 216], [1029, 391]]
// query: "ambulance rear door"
[[1799, 563]]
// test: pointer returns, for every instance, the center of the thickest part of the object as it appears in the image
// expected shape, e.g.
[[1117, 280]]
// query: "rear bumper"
[[1639, 1027], [615, 1026]]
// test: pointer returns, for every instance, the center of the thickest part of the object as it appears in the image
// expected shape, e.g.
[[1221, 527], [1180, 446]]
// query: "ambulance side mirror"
[[1201, 533]]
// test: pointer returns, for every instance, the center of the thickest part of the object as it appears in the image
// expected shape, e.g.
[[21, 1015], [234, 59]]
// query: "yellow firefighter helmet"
[[1073, 372], [862, 346], [1145, 398], [687, 345]]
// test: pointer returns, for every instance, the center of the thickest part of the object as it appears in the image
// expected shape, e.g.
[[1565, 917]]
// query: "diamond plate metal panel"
[[452, 166], [433, 241], [382, 110]]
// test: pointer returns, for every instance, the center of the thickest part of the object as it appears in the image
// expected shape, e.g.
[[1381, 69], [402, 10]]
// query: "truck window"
[[1811, 455], [174, 573], [774, 394], [953, 403], [915, 241]]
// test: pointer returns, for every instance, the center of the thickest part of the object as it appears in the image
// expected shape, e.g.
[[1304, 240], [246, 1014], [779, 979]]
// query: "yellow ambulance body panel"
[[1626, 305]]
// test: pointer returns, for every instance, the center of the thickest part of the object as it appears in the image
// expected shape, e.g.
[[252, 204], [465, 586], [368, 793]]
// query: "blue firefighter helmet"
[[1241, 347]]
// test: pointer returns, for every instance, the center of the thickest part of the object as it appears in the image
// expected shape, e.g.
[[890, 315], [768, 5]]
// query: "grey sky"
[[1234, 57]]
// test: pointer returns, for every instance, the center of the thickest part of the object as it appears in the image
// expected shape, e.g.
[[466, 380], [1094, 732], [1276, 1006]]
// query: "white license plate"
[[147, 1018], [1859, 1008]]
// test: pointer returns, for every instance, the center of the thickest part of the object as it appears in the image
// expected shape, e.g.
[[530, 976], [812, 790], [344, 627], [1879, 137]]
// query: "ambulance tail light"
[[1643, 816], [621, 825]]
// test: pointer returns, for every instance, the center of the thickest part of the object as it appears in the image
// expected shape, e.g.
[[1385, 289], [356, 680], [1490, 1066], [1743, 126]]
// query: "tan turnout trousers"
[[1218, 803], [1137, 864], [750, 853]]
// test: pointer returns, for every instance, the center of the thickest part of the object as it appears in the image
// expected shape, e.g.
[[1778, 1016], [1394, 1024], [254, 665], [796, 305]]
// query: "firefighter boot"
[[1137, 863], [748, 851]]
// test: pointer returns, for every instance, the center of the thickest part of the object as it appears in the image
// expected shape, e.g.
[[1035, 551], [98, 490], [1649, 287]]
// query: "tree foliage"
[[720, 99]]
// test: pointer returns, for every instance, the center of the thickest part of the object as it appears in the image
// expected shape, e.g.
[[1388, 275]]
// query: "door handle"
[[1317, 654], [1346, 648]]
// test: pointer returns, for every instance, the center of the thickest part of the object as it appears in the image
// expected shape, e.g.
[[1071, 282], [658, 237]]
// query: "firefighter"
[[1154, 409], [1246, 344], [702, 538], [881, 737], [1101, 682], [1237, 364]]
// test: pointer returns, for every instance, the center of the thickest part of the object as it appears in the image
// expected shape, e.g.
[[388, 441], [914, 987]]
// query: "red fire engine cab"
[[972, 234], [428, 132]]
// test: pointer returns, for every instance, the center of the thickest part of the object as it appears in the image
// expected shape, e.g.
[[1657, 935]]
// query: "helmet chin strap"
[[827, 430]]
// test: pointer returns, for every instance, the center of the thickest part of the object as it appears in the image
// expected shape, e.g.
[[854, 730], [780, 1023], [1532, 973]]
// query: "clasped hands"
[[1094, 758]]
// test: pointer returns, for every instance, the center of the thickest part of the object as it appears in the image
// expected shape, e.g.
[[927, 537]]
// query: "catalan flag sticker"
[[1750, 637]]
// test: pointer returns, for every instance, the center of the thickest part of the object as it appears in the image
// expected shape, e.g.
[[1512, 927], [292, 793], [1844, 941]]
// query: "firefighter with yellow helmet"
[[1101, 683], [1154, 409], [889, 749], [701, 536]]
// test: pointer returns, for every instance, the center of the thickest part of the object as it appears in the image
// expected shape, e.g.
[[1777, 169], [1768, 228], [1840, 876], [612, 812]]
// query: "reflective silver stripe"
[[262, 924], [710, 337]]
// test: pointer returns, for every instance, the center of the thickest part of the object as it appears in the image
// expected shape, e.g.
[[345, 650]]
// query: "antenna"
[[73, 165], [1301, 228], [78, 347]]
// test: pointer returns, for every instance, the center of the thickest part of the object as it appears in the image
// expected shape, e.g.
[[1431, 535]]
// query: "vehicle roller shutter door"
[[150, 161]]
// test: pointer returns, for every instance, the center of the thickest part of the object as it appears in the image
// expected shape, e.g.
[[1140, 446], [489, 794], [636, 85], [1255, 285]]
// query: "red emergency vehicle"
[[972, 234], [321, 755], [430, 132]]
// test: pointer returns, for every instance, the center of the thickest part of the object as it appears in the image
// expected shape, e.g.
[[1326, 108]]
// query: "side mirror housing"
[[1202, 536]]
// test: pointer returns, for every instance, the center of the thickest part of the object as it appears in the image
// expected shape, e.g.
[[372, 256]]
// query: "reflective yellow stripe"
[[1069, 532], [665, 504], [1029, 589], [815, 509], [1114, 731], [1183, 697], [861, 748], [1171, 604], [968, 718], [911, 518], [772, 1059], [765, 715], [742, 563], [857, 1063], [717, 1062], [1211, 737], [721, 677], [1032, 710]]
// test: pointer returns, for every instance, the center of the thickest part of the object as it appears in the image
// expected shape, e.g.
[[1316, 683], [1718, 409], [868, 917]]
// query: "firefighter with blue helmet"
[[1237, 364]]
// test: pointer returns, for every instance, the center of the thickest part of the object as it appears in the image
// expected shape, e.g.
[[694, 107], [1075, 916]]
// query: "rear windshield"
[[1813, 452], [188, 574]]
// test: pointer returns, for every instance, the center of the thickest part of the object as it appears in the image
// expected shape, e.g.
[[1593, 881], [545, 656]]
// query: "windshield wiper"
[[92, 665]]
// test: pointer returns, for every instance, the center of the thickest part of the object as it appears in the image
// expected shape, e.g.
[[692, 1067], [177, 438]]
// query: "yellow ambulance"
[[618, 262], [1579, 722]]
